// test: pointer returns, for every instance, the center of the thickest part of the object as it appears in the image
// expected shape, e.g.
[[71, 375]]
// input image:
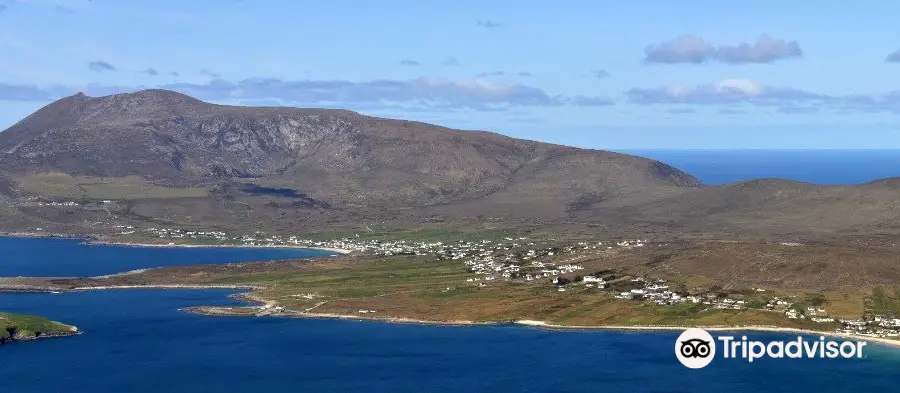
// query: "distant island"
[[17, 327]]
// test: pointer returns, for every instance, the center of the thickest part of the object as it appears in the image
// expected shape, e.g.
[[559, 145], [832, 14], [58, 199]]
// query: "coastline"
[[223, 311], [249, 298], [10, 340], [164, 286], [128, 244], [12, 288], [94, 241], [749, 328], [39, 235]]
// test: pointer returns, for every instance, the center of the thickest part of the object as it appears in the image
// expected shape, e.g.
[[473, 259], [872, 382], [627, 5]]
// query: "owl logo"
[[695, 348]]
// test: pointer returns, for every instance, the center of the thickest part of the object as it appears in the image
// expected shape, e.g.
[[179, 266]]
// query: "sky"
[[638, 74]]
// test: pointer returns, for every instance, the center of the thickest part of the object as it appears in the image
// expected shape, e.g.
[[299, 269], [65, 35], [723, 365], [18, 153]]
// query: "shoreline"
[[749, 328], [46, 289], [10, 340], [157, 245], [164, 286], [224, 311], [95, 241], [39, 235]]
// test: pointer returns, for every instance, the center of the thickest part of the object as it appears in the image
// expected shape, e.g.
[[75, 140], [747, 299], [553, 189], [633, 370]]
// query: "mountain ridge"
[[170, 159], [338, 158]]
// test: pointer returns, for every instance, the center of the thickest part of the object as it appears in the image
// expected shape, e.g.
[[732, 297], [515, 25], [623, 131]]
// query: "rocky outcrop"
[[13, 334], [15, 328]]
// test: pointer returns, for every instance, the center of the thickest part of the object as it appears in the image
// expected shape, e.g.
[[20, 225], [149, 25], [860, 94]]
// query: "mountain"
[[160, 151], [771, 207], [165, 158]]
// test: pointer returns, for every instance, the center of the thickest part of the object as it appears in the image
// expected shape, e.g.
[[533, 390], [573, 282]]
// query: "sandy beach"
[[90, 240], [165, 286], [772, 329]]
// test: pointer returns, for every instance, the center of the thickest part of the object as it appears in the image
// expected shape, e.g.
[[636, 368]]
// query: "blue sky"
[[616, 75]]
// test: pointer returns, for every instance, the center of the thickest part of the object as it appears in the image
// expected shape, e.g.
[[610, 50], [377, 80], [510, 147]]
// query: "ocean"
[[71, 257], [828, 167], [139, 341]]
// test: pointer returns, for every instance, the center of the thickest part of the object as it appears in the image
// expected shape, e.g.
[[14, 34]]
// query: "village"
[[518, 260]]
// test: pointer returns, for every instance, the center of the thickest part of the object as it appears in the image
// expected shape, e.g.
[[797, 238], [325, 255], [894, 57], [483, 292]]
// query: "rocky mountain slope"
[[165, 158], [335, 156]]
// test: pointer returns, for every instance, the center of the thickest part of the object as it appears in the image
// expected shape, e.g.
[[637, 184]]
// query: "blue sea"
[[71, 257], [139, 341], [830, 167]]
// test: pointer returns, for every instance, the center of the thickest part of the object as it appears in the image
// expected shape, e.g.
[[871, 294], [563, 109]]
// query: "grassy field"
[[884, 301], [408, 287], [26, 327]]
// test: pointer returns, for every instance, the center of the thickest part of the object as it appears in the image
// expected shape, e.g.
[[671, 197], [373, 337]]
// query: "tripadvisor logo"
[[696, 348]]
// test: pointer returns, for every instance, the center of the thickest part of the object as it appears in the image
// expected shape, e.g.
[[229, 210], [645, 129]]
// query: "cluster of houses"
[[269, 309], [511, 259], [656, 290], [875, 326], [659, 292], [262, 239], [872, 325], [778, 304], [883, 327], [165, 233], [519, 260], [814, 314]]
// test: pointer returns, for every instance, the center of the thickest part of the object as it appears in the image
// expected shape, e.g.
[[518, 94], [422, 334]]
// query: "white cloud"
[[728, 91], [693, 49]]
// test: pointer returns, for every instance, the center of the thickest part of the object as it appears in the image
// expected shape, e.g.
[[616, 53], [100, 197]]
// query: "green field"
[[421, 288], [882, 302]]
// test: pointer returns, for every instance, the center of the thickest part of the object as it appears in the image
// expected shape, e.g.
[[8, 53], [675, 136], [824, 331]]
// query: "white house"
[[594, 279]]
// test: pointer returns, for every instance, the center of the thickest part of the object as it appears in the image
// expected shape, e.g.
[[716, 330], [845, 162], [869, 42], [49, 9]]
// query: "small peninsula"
[[17, 327]]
